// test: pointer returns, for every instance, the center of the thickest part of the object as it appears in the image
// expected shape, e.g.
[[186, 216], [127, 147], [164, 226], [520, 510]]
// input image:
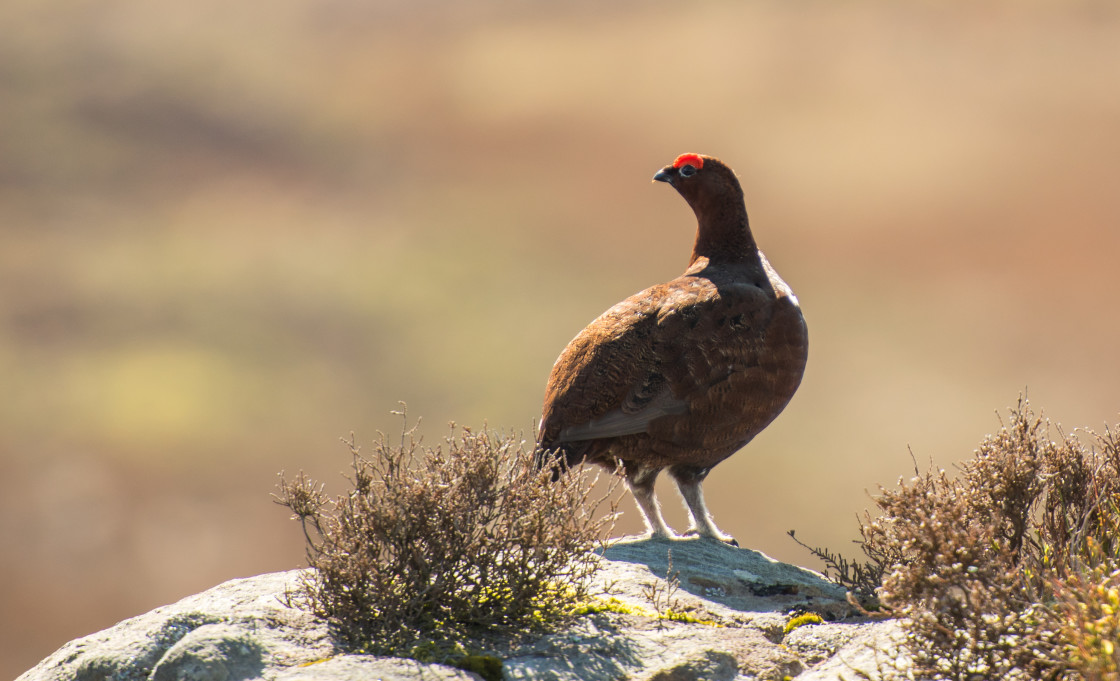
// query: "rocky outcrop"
[[732, 606]]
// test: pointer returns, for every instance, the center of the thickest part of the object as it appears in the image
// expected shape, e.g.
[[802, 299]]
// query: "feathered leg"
[[688, 480], [640, 480]]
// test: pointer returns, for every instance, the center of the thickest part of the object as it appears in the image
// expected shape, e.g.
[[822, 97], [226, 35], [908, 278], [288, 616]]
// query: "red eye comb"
[[693, 160]]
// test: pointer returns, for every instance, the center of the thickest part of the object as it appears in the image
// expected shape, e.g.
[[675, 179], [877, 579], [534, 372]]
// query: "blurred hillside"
[[230, 234]]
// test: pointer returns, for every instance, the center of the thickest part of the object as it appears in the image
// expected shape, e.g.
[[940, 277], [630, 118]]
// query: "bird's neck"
[[723, 235]]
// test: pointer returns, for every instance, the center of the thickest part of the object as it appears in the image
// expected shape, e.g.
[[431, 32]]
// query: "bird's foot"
[[716, 535], [666, 535]]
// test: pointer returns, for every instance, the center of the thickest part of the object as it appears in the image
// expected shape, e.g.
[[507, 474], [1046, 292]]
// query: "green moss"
[[489, 667], [612, 604], [801, 620], [616, 606], [687, 618], [426, 651]]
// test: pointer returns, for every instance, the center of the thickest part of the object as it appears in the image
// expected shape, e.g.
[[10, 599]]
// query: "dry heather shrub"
[[1009, 569], [991, 559], [434, 545]]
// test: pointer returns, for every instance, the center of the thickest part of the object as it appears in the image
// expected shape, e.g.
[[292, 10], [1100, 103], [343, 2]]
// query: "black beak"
[[666, 174]]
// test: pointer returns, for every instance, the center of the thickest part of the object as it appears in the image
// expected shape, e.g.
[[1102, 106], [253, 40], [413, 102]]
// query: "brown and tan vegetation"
[[1009, 569], [435, 547]]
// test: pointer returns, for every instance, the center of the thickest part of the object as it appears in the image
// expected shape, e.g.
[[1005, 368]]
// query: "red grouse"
[[683, 374]]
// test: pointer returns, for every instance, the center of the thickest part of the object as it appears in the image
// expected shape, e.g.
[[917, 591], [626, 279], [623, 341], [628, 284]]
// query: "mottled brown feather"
[[686, 372]]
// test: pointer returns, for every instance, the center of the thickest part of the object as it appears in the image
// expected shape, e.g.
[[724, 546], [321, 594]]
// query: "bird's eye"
[[687, 171]]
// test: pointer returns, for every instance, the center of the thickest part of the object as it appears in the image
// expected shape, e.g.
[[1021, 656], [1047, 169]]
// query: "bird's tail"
[[560, 457]]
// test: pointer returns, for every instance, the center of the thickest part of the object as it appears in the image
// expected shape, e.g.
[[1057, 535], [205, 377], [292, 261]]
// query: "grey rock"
[[865, 651], [701, 665], [739, 579], [737, 603], [237, 630], [817, 643], [637, 647], [363, 667], [212, 652]]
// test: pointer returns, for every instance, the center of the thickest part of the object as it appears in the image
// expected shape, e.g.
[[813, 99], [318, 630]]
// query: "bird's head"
[[684, 168], [713, 192], [700, 178]]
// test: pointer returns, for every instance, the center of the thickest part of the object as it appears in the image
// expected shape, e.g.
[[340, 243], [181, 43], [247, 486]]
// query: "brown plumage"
[[685, 373]]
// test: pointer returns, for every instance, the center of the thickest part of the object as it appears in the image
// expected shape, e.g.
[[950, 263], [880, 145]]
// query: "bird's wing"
[[684, 348], [607, 380], [644, 359], [624, 421]]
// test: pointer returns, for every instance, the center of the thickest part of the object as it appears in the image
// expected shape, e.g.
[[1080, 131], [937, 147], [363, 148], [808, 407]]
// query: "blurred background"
[[231, 234]]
